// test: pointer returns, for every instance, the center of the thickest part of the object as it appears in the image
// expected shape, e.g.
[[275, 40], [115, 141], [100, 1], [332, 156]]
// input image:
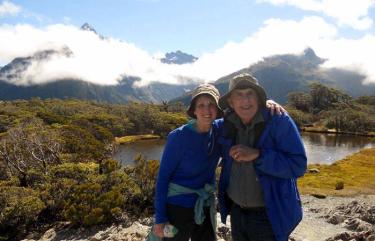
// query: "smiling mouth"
[[246, 107]]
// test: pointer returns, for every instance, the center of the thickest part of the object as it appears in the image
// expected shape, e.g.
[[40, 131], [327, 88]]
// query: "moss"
[[130, 139], [357, 172]]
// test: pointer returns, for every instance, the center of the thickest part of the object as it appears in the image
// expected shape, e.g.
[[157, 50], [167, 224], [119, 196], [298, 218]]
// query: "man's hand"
[[275, 107], [158, 230], [242, 153]]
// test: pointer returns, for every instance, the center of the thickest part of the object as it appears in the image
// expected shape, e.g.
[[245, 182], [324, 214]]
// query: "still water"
[[320, 148]]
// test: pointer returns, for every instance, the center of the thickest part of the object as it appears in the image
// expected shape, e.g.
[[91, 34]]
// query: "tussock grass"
[[356, 172], [130, 139]]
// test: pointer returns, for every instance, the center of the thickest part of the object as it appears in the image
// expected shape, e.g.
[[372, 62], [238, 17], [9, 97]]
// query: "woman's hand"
[[275, 107], [158, 229], [242, 153]]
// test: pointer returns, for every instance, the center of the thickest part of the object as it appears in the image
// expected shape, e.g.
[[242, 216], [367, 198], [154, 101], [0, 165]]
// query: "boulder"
[[320, 196], [313, 170], [356, 224]]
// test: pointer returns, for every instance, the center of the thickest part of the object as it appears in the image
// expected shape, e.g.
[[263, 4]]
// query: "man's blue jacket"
[[282, 160]]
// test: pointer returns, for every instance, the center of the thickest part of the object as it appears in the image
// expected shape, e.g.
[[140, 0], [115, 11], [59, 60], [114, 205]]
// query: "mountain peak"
[[309, 54], [88, 27], [178, 57]]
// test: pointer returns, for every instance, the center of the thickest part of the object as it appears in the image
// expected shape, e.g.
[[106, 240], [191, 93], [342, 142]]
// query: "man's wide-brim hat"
[[243, 81], [207, 89]]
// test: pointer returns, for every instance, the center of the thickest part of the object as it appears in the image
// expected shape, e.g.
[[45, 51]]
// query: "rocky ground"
[[325, 219], [337, 218]]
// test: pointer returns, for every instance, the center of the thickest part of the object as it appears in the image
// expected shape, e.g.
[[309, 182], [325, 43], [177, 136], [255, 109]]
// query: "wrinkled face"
[[245, 103], [205, 109]]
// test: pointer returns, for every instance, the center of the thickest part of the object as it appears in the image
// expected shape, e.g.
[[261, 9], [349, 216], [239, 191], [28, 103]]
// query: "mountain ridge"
[[279, 74], [282, 74]]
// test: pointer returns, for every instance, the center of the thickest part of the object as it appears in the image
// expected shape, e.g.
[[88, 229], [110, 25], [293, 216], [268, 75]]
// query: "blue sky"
[[156, 25], [225, 34]]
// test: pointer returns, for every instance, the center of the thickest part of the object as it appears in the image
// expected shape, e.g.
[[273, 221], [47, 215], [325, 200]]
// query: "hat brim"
[[262, 97]]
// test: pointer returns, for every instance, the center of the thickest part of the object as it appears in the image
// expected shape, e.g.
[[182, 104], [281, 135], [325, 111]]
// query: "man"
[[263, 156]]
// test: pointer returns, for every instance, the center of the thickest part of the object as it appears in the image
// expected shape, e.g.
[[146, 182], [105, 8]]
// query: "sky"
[[226, 35]]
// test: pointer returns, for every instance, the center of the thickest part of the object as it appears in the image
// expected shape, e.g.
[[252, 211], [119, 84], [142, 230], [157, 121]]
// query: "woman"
[[189, 160]]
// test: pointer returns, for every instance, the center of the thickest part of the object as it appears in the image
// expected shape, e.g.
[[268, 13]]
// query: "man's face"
[[245, 103]]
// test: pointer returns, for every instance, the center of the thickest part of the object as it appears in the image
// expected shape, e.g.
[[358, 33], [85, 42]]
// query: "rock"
[[342, 236], [50, 234], [339, 186], [369, 216], [94, 238], [317, 195], [313, 170], [224, 232], [354, 208], [147, 221], [349, 236], [336, 218], [315, 210], [371, 237], [32, 236], [294, 239], [356, 224]]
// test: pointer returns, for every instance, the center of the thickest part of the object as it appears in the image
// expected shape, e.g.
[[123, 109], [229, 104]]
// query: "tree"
[[300, 101], [323, 97], [366, 100], [347, 119], [31, 145]]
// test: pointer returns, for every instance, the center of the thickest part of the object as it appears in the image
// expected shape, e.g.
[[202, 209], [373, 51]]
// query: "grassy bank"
[[355, 172], [322, 129], [130, 139]]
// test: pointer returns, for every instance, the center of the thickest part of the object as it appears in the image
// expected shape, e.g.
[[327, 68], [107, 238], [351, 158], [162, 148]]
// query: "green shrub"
[[19, 208], [300, 118], [82, 143], [144, 174], [109, 165], [78, 193], [36, 178], [339, 185]]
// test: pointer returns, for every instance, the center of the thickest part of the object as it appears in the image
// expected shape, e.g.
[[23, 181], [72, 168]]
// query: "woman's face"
[[205, 109]]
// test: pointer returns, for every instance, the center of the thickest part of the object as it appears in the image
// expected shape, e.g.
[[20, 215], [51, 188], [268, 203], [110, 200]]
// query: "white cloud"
[[94, 59], [9, 8], [104, 61], [350, 54], [275, 37], [353, 13]]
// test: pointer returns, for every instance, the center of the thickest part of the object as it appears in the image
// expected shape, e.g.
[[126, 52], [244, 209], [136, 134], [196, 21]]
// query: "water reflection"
[[150, 149], [328, 148], [320, 148]]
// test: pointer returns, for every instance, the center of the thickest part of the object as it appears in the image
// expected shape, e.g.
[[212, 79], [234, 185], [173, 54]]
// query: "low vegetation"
[[134, 138], [354, 174], [55, 162]]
